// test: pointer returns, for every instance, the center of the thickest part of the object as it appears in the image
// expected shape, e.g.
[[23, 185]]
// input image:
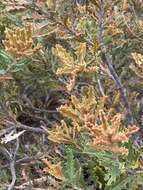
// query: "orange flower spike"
[[89, 125], [104, 121], [121, 137], [96, 130], [119, 150], [116, 123]]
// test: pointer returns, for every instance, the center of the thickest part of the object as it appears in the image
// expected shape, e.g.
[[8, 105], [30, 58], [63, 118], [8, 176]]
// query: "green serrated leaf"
[[72, 170]]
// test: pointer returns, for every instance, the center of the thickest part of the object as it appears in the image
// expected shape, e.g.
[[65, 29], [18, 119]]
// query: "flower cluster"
[[87, 112], [73, 67], [19, 42], [107, 135], [79, 108]]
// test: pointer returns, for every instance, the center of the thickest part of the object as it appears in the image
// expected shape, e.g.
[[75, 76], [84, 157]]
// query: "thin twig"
[[13, 173], [11, 160], [12, 166], [24, 127]]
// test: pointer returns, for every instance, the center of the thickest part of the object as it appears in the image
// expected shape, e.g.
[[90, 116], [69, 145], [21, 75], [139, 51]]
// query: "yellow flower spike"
[[23, 35], [29, 30], [95, 46], [50, 3], [91, 70], [88, 101], [63, 55], [113, 30], [82, 9], [81, 53], [76, 102], [101, 103]]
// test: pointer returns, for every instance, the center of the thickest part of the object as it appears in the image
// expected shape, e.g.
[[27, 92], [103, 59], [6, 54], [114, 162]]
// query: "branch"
[[11, 160], [18, 125], [13, 173], [12, 166], [22, 161]]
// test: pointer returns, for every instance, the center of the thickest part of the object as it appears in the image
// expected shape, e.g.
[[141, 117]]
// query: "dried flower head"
[[106, 135], [19, 42]]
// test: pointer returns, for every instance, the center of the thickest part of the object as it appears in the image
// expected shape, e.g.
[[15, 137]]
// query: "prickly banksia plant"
[[138, 66], [107, 135], [19, 42]]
